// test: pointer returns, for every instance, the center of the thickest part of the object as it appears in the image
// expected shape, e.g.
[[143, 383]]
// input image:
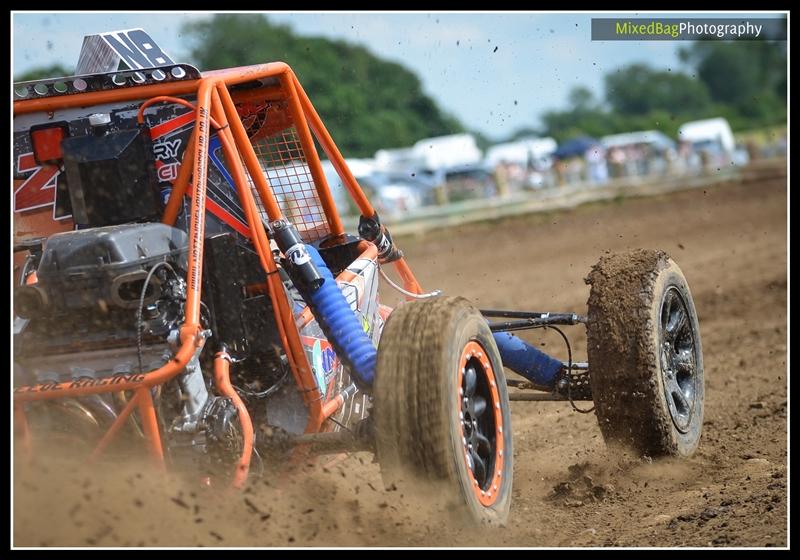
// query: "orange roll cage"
[[215, 106]]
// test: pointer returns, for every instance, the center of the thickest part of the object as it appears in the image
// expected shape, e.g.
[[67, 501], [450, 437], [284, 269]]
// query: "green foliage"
[[582, 99], [39, 73], [744, 82], [639, 90], [737, 71], [367, 103]]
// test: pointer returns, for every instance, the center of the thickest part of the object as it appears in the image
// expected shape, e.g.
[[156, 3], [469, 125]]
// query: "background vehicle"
[[393, 193], [528, 162], [396, 193], [642, 153], [462, 182]]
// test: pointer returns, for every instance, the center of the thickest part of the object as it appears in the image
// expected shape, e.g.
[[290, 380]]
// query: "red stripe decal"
[[227, 217], [166, 127]]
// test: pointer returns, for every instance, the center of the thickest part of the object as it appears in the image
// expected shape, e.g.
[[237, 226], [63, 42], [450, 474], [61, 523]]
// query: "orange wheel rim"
[[481, 421]]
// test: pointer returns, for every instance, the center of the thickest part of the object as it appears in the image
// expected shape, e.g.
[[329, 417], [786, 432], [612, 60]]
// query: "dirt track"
[[730, 242]]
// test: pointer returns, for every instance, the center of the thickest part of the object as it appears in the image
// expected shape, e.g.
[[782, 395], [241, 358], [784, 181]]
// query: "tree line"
[[743, 81]]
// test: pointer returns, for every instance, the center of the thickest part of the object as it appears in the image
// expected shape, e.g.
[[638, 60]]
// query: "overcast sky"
[[496, 72]]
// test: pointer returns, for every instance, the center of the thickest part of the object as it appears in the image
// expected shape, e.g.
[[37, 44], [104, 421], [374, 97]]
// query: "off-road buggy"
[[185, 285]]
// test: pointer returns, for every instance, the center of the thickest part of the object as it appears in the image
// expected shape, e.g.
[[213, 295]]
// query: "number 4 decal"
[[39, 189]]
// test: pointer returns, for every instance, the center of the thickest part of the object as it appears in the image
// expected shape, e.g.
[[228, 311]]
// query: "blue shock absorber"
[[312, 277], [340, 325], [526, 360]]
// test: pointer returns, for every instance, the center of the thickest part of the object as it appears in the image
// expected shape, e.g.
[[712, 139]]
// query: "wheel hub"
[[678, 359]]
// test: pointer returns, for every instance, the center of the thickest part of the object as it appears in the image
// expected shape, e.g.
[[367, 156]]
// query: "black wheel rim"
[[678, 357], [478, 423]]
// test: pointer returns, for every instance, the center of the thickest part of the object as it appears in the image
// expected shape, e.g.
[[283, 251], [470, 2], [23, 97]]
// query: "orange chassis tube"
[[216, 106]]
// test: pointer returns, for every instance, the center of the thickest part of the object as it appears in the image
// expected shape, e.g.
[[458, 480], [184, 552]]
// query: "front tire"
[[645, 355], [441, 407]]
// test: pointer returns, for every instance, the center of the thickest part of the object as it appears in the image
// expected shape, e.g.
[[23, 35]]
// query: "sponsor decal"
[[316, 361], [135, 48], [38, 190], [167, 173], [328, 358], [83, 382], [323, 359], [166, 149], [298, 255]]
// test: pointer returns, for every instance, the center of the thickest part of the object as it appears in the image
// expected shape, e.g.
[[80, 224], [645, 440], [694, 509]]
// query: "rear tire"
[[645, 355], [433, 354]]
